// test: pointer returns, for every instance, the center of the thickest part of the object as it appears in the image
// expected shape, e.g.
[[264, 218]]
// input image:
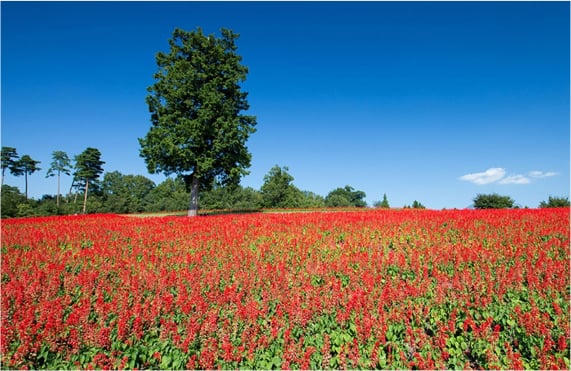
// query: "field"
[[363, 289]]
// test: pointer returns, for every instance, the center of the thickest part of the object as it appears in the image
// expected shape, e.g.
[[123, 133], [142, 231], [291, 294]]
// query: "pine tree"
[[25, 166], [60, 164], [88, 167]]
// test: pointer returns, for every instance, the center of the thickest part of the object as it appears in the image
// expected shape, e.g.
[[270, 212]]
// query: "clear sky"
[[428, 101]]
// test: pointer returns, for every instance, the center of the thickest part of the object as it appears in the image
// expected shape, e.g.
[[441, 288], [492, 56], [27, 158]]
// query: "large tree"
[[25, 166], [60, 164], [198, 131], [88, 167], [9, 159]]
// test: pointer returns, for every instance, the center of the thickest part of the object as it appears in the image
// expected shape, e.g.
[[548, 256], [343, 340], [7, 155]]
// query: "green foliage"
[[493, 201], [169, 195], [384, 204], [198, 131], [25, 209], [25, 166], [231, 197], [47, 205], [9, 157], [417, 205], [311, 200], [347, 196], [337, 200], [278, 190], [60, 164], [126, 193], [11, 198], [555, 202], [88, 167]]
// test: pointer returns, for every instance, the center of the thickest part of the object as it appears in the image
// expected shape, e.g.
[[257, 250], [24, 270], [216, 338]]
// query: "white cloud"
[[541, 174], [515, 179], [489, 176], [497, 174]]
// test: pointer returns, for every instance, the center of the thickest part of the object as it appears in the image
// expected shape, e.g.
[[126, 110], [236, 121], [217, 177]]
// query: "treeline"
[[120, 193], [123, 194]]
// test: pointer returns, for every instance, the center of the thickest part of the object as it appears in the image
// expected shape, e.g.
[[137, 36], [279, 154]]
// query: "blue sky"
[[428, 101]]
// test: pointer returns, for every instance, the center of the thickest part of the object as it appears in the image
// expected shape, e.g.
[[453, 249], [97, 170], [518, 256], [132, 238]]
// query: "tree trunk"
[[193, 207], [26, 178], [85, 196], [70, 192], [57, 199]]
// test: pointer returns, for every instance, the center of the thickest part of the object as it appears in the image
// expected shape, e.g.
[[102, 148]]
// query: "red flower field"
[[321, 290]]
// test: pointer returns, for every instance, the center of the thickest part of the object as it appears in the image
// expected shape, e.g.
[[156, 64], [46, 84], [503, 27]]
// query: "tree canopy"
[[126, 193], [88, 167], [60, 164], [384, 204], [25, 166], [493, 201], [347, 196], [198, 131], [555, 202], [9, 157], [278, 189]]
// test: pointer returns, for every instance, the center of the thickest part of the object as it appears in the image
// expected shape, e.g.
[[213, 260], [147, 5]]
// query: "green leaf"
[[276, 361], [166, 361], [353, 327], [177, 363]]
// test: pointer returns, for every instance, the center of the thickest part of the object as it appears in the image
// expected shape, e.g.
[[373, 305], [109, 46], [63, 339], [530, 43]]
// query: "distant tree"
[[247, 198], [25, 166], [125, 193], [11, 199], [9, 159], [347, 196], [231, 198], [60, 164], [198, 131], [46, 205], [417, 205], [555, 202], [88, 167], [217, 198], [311, 199], [278, 190], [493, 201], [337, 200], [384, 204], [170, 195]]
